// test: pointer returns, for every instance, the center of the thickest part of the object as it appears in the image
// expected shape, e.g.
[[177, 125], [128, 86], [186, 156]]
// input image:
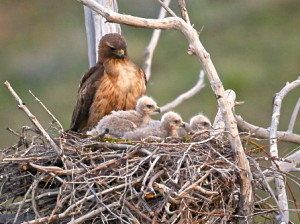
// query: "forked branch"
[[196, 48], [32, 118], [149, 50], [279, 180], [199, 85], [263, 133]]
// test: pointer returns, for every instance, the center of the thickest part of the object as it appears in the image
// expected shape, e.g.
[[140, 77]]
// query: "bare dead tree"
[[196, 48], [279, 180]]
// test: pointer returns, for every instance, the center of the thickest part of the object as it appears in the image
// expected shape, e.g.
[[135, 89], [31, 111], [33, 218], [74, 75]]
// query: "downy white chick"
[[197, 123], [168, 126], [119, 122]]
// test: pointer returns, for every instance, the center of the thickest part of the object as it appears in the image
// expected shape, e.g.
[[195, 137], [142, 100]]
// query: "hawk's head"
[[112, 45]]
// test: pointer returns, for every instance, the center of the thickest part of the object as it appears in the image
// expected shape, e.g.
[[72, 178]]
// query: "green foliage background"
[[254, 44]]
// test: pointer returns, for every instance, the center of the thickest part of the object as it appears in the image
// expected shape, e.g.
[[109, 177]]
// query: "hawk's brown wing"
[[85, 96]]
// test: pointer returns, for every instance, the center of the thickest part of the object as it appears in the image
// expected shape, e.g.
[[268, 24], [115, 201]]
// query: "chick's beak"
[[182, 125], [120, 53], [157, 110]]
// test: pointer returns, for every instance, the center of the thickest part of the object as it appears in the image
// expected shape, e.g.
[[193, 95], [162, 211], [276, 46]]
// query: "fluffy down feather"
[[168, 126]]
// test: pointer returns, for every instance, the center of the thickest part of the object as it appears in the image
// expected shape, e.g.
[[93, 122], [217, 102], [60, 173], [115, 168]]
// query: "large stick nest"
[[190, 180]]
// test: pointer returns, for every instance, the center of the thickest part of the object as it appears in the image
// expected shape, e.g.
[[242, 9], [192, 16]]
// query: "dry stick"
[[116, 146], [279, 180], [133, 208], [23, 201], [194, 185], [184, 13], [149, 50], [288, 167], [97, 211], [166, 7], [199, 85], [32, 118], [110, 162], [177, 172], [293, 117], [93, 213], [148, 172], [219, 124], [263, 133], [47, 194], [196, 47], [61, 129], [55, 217], [265, 182], [33, 201], [157, 175]]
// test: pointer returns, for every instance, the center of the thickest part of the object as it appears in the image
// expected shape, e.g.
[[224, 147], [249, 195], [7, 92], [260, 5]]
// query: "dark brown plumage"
[[114, 83]]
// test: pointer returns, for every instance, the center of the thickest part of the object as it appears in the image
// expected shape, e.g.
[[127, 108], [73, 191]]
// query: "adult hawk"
[[114, 83]]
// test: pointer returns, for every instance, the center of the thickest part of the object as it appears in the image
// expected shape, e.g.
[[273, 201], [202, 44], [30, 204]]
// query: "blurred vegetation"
[[254, 45]]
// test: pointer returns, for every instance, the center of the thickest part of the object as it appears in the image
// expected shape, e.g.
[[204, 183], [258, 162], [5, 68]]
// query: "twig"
[[148, 172], [288, 167], [149, 50], [23, 202], [136, 210], [56, 170], [33, 195], [219, 123], [61, 129], [194, 186], [157, 175], [14, 132], [265, 182], [92, 213], [263, 133], [293, 117], [184, 13], [110, 162], [32, 118], [179, 163], [199, 85], [279, 182], [116, 146], [54, 217], [166, 7]]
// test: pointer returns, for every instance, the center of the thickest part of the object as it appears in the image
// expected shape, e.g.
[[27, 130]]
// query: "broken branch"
[[32, 118]]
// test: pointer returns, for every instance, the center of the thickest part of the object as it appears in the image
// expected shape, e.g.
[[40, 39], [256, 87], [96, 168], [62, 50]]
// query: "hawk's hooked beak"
[[120, 53]]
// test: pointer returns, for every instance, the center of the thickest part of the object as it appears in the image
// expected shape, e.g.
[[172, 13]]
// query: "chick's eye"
[[149, 106], [205, 124], [177, 121]]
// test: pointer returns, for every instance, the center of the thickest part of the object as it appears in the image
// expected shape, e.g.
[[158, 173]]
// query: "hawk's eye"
[[113, 49]]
